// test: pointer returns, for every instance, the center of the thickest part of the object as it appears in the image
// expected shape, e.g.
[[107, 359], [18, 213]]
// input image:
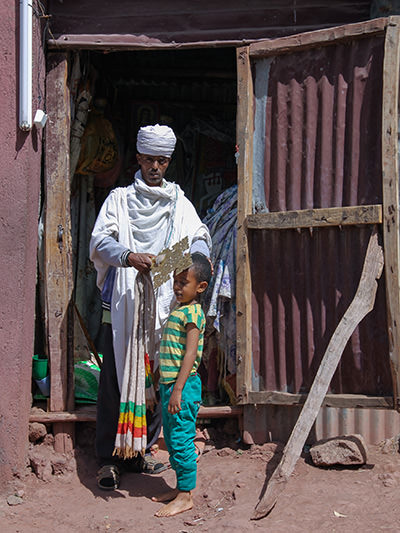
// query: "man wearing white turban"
[[134, 224]]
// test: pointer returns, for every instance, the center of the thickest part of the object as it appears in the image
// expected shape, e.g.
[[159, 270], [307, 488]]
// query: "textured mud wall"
[[19, 205]]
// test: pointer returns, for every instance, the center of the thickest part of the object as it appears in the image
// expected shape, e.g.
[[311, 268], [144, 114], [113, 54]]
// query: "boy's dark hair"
[[201, 267]]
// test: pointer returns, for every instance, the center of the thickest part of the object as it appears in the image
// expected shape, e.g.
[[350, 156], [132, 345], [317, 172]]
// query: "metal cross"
[[175, 259]]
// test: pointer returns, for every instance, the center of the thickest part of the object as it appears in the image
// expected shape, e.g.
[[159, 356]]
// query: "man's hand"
[[142, 262], [174, 405]]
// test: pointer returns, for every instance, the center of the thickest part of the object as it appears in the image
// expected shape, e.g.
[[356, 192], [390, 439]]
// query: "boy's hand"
[[174, 405]]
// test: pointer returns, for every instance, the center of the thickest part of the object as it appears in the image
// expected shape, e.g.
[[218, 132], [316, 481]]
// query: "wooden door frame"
[[59, 265], [58, 244]]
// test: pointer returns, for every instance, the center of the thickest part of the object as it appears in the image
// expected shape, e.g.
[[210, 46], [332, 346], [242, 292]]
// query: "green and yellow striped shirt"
[[173, 342]]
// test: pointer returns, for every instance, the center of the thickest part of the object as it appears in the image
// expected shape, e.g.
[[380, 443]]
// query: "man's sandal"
[[108, 477], [152, 465]]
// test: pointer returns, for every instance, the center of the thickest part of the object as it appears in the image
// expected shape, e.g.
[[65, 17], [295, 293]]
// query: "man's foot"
[[167, 496], [146, 465], [183, 502]]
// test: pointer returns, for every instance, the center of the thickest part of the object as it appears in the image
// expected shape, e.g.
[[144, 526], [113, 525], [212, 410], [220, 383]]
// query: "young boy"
[[180, 385]]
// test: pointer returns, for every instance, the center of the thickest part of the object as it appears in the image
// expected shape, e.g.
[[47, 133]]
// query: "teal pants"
[[180, 431]]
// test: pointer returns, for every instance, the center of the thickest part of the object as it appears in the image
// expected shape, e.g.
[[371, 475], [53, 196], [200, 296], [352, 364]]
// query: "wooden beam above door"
[[118, 42]]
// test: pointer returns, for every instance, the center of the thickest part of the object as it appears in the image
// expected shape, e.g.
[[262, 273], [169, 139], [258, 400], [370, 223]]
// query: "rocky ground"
[[230, 480]]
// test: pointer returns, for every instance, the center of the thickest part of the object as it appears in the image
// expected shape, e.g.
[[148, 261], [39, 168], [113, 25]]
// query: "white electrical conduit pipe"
[[25, 65]]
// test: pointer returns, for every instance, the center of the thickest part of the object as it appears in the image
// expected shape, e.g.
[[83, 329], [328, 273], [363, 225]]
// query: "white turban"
[[156, 140]]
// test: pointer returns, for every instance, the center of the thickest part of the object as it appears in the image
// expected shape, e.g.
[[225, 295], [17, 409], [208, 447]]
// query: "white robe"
[[145, 220]]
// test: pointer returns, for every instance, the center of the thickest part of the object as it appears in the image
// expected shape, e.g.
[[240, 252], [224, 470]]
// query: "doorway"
[[194, 92]]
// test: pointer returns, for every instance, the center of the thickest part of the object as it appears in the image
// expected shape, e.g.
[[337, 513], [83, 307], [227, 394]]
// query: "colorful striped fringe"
[[137, 385], [132, 428]]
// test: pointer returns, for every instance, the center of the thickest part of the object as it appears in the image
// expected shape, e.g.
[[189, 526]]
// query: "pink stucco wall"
[[20, 161]]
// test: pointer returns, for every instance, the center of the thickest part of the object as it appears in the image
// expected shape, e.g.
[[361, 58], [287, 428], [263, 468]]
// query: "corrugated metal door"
[[317, 141]]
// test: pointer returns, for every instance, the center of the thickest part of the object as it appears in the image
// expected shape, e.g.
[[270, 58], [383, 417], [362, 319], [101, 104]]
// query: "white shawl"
[[145, 220]]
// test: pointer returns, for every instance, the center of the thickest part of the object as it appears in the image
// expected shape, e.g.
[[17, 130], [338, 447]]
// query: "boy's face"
[[186, 287]]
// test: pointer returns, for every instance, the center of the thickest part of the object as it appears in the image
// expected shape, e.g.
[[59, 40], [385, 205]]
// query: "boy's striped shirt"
[[173, 342]]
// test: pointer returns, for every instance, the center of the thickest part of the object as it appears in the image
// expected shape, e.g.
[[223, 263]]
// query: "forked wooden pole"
[[361, 305], [88, 337]]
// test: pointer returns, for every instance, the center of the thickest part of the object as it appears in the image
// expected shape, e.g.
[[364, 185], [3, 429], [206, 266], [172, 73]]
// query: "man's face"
[[153, 168]]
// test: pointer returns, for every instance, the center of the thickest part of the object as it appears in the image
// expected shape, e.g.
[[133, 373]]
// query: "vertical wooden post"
[[390, 184], [57, 242], [244, 138]]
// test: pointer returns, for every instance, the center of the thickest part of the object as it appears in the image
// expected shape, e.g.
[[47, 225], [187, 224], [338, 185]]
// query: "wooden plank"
[[350, 401], [316, 218], [362, 304], [312, 39], [220, 411], [88, 414], [244, 138], [134, 42], [53, 417], [57, 241], [390, 185]]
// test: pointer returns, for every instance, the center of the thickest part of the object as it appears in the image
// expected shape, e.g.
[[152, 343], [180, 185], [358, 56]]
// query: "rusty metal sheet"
[[323, 117], [319, 116], [303, 283], [181, 21]]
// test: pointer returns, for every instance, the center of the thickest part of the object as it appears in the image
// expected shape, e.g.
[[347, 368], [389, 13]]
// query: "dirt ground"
[[231, 477]]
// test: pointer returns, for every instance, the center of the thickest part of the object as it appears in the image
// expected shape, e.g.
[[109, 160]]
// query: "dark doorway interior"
[[194, 92]]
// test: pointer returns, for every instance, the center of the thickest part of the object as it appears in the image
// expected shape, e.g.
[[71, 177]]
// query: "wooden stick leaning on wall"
[[362, 304], [88, 337]]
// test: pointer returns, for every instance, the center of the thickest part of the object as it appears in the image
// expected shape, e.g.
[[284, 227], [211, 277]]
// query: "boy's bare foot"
[[183, 502], [167, 496]]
